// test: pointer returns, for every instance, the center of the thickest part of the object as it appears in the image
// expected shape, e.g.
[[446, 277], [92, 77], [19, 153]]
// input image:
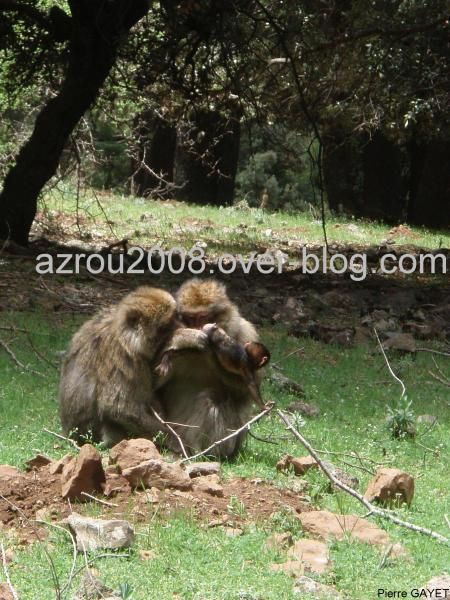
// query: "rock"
[[95, 534], [56, 468], [304, 408], [158, 473], [427, 419], [390, 486], [7, 473], [292, 311], [130, 453], [115, 484], [312, 554], [325, 524], [285, 383], [83, 473], [92, 588], [233, 532], [147, 555], [48, 513], [400, 341], [209, 484], [197, 469], [37, 462], [438, 587], [6, 593], [300, 465], [313, 589], [350, 480], [279, 541]]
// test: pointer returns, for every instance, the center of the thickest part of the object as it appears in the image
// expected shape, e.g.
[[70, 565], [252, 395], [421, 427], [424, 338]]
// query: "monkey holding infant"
[[192, 360]]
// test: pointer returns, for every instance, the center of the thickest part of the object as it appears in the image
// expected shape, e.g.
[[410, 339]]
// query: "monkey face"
[[198, 319]]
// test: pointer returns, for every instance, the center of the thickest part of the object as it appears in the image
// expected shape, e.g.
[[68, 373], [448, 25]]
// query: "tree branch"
[[370, 507]]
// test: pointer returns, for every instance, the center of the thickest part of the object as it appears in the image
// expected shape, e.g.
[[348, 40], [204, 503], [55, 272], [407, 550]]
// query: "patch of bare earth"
[[37, 495]]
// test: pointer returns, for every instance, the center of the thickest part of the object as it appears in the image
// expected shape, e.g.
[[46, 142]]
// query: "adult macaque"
[[200, 302], [107, 379], [206, 387]]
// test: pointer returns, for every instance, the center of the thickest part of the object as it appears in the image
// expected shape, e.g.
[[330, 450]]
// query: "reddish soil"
[[30, 492]]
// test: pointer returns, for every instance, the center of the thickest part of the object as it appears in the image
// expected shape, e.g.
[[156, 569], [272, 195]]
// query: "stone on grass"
[[313, 589], [115, 484], [390, 486], [313, 554], [438, 587], [158, 473], [6, 593], [197, 469], [83, 473], [37, 462], [95, 534], [209, 484], [344, 477], [304, 408], [403, 342], [130, 453], [279, 541], [57, 467], [300, 465], [325, 524]]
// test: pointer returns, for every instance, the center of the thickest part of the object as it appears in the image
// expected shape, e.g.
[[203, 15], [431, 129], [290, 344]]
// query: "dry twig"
[[373, 510], [61, 437], [74, 550], [233, 434], [389, 366], [8, 350], [172, 431], [104, 502], [5, 571]]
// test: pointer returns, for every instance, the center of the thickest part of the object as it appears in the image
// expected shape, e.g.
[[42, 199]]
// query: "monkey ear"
[[258, 354], [132, 318]]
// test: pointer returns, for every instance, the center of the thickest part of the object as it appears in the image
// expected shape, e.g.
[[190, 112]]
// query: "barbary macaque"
[[200, 302], [206, 387], [107, 379], [241, 360]]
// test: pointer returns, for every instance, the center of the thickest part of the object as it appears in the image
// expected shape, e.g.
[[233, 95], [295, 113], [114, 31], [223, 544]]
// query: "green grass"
[[169, 224], [352, 388]]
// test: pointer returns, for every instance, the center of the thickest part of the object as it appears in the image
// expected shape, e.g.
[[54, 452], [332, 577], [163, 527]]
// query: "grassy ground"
[[353, 390], [234, 229]]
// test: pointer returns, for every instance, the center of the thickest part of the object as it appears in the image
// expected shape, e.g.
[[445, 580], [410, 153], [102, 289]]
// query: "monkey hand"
[[186, 338]]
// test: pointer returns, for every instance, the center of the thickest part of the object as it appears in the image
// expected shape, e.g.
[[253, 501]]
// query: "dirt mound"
[[24, 495]]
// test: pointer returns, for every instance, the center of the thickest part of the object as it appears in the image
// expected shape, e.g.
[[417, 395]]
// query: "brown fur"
[[206, 382], [206, 301], [107, 377]]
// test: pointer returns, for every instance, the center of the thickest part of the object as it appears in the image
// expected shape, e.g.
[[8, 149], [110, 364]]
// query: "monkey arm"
[[184, 339]]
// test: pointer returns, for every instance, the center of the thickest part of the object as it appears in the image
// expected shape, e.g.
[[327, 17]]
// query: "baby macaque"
[[238, 359], [107, 380]]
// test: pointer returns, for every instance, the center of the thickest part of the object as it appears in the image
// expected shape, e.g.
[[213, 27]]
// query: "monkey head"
[[204, 301], [148, 318], [258, 354]]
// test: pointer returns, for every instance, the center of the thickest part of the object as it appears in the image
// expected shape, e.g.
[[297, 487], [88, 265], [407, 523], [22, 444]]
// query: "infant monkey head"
[[242, 360]]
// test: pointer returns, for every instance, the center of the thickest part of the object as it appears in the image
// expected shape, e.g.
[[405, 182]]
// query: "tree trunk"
[[156, 148], [430, 184], [385, 190], [343, 170], [96, 31], [207, 157]]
